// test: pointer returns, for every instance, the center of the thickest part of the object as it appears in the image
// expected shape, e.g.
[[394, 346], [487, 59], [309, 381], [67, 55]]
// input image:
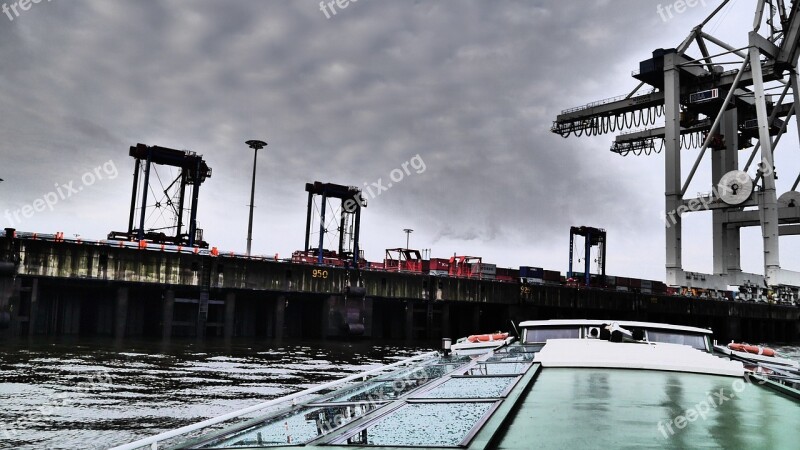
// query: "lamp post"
[[408, 232], [256, 146]]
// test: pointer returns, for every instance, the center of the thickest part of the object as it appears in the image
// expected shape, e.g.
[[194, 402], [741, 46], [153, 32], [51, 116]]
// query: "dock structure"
[[123, 289], [718, 99]]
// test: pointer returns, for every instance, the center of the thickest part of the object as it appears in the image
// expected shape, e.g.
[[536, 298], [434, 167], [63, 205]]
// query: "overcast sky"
[[472, 87]]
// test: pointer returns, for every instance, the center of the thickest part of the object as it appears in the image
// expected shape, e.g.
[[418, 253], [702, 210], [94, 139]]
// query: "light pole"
[[408, 232], [256, 146]]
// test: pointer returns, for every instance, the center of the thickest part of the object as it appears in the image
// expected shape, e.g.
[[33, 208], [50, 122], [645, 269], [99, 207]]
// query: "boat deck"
[[506, 400]]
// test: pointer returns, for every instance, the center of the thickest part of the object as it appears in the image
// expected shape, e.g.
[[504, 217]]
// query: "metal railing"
[[153, 441]]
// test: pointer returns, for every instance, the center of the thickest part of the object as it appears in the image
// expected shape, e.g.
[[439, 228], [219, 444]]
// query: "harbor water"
[[94, 394]]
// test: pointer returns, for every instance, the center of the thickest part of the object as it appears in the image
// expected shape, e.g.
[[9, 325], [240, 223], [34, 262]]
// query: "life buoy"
[[487, 337], [754, 349]]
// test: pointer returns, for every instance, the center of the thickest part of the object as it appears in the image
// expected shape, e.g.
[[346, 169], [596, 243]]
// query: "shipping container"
[[611, 280], [646, 284], [533, 280], [531, 272], [623, 281], [636, 283], [551, 276], [508, 272], [439, 273], [483, 270], [439, 264], [488, 269]]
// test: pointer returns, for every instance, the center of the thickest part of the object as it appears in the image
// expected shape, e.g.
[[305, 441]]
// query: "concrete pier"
[[60, 288]]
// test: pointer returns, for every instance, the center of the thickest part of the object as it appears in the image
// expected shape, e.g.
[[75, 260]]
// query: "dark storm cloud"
[[470, 86]]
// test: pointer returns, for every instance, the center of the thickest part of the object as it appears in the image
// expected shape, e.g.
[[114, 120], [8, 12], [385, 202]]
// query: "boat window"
[[296, 427], [543, 334], [697, 341], [424, 425], [377, 391], [471, 387]]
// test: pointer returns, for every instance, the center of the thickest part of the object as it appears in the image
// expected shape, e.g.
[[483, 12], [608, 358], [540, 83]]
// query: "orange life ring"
[[487, 337], [754, 349]]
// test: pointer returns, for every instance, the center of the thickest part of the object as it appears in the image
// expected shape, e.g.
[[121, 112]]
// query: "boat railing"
[[153, 441]]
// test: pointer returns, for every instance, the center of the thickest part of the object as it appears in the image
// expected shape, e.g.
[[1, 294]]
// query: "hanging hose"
[[605, 124]]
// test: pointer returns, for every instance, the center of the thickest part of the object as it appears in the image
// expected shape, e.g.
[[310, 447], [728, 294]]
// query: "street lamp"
[[256, 146], [408, 232]]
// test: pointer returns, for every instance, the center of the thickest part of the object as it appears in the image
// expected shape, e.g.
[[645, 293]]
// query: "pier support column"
[[34, 307], [230, 314], [202, 315], [168, 313], [446, 331], [733, 330], [409, 328], [429, 327], [121, 315], [280, 316], [14, 302], [476, 319]]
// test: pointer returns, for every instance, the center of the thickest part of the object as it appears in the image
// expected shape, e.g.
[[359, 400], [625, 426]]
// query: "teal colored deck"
[[590, 408]]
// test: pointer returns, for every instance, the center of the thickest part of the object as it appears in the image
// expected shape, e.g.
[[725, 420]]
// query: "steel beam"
[[672, 166], [726, 241], [769, 199]]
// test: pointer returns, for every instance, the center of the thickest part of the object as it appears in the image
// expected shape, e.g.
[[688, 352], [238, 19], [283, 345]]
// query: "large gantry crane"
[[705, 106]]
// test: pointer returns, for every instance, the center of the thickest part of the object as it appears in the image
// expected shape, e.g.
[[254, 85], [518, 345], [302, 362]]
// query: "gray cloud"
[[471, 86]]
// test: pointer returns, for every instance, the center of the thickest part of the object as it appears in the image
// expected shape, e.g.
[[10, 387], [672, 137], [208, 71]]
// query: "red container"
[[503, 272], [552, 275], [439, 264], [636, 283]]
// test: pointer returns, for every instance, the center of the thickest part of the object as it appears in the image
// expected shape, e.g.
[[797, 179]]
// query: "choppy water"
[[75, 394]]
